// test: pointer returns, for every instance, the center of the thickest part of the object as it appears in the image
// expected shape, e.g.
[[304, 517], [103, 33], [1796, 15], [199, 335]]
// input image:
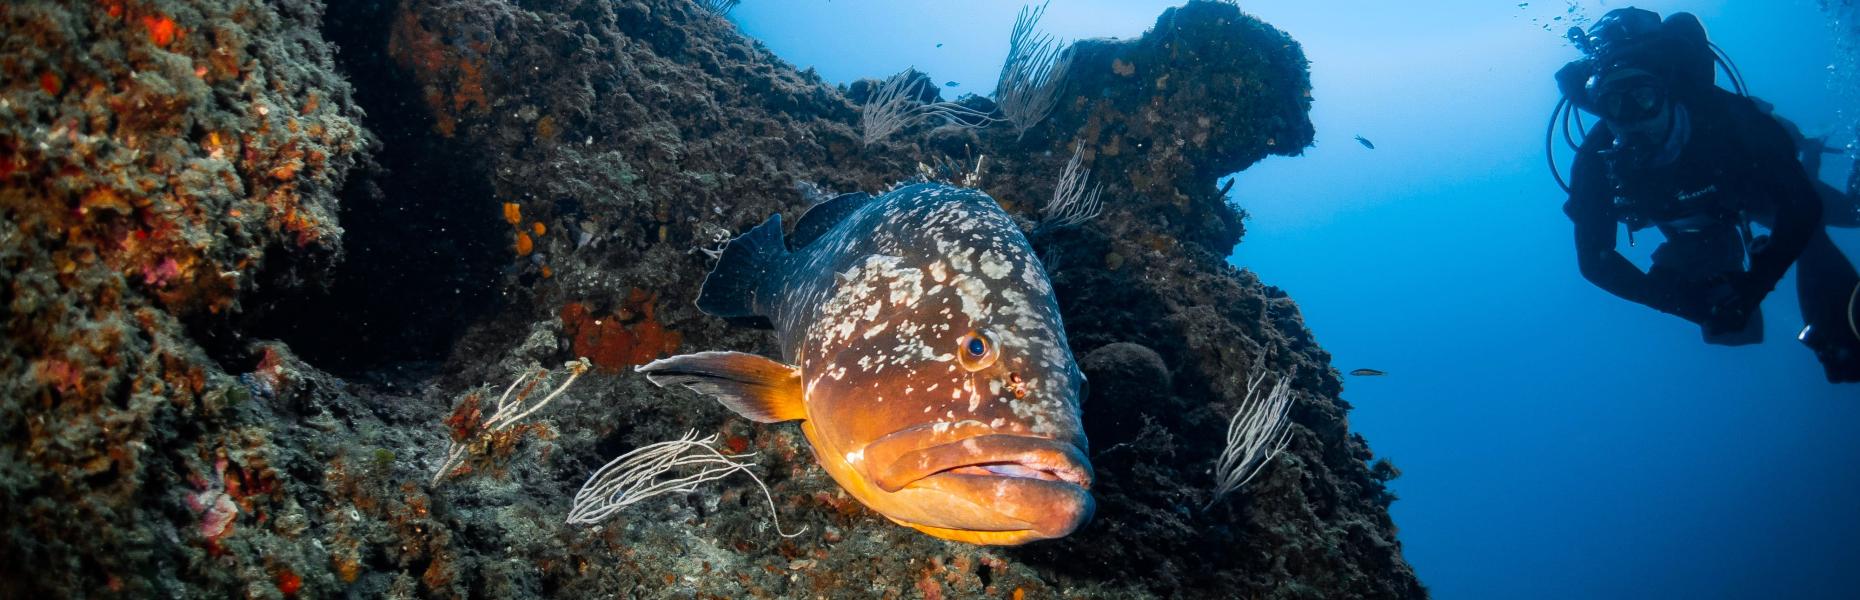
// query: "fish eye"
[[977, 350]]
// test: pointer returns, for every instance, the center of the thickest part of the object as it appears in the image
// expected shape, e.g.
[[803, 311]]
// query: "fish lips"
[[1041, 483]]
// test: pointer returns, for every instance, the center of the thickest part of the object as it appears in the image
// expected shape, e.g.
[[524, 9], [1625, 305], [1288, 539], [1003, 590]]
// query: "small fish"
[[939, 44], [923, 355], [1365, 142], [950, 84], [1368, 373]]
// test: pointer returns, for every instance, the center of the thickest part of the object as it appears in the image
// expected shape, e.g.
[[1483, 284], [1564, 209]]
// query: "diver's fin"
[[821, 218], [759, 389], [739, 287]]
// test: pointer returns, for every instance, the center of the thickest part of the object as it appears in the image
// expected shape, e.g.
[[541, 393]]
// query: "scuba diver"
[[1701, 164]]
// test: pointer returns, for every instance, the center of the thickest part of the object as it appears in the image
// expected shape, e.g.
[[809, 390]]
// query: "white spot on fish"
[[875, 330], [993, 266], [974, 295], [960, 259]]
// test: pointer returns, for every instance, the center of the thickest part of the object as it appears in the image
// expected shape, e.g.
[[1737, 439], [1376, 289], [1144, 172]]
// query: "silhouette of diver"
[[1700, 163]]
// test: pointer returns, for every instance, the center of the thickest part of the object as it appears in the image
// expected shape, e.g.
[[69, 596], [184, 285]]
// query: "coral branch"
[[1256, 433], [634, 477], [719, 7], [469, 437], [893, 106], [1035, 69], [1071, 204]]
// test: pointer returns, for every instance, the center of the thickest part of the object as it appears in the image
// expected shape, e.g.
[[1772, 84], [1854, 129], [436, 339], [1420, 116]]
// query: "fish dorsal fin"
[[759, 389], [821, 218]]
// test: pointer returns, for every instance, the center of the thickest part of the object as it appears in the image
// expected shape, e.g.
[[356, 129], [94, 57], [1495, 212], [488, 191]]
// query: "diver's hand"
[[1681, 297], [1733, 298]]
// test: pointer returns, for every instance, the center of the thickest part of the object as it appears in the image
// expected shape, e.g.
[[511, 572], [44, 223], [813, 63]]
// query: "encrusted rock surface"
[[549, 172], [157, 159]]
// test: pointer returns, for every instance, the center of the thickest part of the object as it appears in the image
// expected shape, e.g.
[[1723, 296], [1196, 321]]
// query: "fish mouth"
[[988, 455], [994, 482], [1021, 470], [998, 456]]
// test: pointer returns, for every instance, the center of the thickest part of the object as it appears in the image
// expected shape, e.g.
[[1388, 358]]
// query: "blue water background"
[[1557, 442]]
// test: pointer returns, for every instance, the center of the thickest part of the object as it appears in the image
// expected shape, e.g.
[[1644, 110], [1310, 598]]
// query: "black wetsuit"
[[1738, 166]]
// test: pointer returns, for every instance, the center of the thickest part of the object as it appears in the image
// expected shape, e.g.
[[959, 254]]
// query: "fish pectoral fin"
[[759, 389]]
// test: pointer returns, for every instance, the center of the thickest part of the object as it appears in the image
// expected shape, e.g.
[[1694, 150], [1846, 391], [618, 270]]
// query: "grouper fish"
[[922, 352]]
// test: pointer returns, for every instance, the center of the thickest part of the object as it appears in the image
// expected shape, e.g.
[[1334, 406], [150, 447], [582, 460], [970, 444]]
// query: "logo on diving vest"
[[1684, 196]]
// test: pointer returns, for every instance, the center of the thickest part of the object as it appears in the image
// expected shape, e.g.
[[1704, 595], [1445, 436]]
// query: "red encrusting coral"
[[466, 419], [289, 583], [629, 336], [161, 29], [453, 74]]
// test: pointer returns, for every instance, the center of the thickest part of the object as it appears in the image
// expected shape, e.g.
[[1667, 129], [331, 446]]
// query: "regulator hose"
[[1853, 300]]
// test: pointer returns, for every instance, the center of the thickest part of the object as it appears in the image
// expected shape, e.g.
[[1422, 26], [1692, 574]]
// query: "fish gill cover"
[[168, 164]]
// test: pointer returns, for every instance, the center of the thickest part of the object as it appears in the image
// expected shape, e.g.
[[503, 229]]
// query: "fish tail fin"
[[739, 287]]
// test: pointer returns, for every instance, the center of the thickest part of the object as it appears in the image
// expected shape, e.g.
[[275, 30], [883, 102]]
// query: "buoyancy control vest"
[[1705, 191]]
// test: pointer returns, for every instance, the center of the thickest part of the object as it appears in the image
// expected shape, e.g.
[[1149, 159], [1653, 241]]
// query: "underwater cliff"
[[269, 265]]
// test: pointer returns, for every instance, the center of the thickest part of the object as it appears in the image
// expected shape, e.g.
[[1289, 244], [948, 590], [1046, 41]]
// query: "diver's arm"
[[1596, 232], [1605, 267], [1798, 207]]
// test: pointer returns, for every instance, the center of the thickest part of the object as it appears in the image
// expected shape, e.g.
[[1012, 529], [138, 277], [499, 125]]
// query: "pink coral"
[[215, 507], [217, 511], [163, 272]]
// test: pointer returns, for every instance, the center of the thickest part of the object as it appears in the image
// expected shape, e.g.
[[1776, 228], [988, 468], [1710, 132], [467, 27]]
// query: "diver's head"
[[1639, 108], [1629, 46], [1628, 97], [1622, 35]]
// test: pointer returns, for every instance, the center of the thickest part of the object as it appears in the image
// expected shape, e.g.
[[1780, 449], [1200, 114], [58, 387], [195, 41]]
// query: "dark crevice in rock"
[[421, 231]]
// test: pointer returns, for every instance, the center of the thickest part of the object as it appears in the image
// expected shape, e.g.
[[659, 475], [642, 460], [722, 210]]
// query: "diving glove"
[[1732, 298]]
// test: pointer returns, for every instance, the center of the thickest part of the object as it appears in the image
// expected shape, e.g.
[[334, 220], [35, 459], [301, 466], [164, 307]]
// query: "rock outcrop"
[[157, 160]]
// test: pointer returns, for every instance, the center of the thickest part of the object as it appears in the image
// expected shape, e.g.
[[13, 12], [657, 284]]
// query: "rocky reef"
[[160, 160], [212, 389]]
